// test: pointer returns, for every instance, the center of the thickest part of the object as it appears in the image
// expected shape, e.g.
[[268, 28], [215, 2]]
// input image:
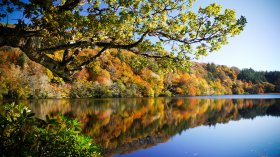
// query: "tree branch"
[[68, 60], [157, 56], [15, 31], [15, 37], [69, 5], [170, 37], [80, 44], [152, 56], [112, 45], [65, 55], [89, 60], [83, 44]]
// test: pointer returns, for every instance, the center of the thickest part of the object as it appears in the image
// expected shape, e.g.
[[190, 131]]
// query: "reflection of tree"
[[124, 125]]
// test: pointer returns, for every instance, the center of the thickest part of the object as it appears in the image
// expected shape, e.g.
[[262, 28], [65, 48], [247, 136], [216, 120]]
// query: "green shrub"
[[100, 91], [167, 93], [21, 134]]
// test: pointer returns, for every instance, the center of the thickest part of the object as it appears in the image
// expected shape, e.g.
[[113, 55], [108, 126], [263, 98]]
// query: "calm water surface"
[[213, 126]]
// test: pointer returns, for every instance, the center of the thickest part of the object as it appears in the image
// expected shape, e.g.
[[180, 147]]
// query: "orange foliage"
[[104, 78], [113, 70], [192, 91], [179, 90], [82, 75]]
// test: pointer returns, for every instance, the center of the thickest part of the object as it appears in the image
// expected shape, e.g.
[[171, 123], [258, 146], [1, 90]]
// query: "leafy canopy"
[[145, 27]]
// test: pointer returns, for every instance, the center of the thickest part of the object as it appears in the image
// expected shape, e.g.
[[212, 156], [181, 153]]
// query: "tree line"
[[123, 74], [259, 76]]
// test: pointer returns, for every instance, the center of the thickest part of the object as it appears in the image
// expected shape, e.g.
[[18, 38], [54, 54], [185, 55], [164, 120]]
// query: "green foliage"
[[100, 91], [89, 89], [251, 75], [273, 77], [167, 93], [81, 89], [137, 63], [144, 27], [21, 134], [22, 60], [118, 89]]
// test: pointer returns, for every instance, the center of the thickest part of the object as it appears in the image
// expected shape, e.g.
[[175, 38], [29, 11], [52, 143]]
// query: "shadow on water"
[[121, 126]]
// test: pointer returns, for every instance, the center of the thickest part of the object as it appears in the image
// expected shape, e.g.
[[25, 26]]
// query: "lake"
[[215, 126]]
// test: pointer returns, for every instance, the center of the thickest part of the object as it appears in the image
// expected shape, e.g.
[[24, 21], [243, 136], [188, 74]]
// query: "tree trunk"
[[29, 43]]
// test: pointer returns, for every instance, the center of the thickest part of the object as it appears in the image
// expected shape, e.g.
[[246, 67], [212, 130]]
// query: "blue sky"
[[258, 46]]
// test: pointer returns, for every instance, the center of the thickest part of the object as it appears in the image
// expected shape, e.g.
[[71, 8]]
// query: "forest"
[[113, 49], [121, 73]]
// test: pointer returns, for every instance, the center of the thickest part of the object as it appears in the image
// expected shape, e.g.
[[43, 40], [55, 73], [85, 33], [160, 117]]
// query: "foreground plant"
[[21, 134]]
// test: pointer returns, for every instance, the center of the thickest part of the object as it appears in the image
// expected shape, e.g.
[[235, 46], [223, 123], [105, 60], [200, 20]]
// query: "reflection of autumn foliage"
[[123, 125]]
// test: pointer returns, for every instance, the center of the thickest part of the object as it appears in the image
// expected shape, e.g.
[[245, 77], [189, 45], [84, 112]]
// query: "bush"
[[100, 91], [167, 93], [82, 89], [21, 134]]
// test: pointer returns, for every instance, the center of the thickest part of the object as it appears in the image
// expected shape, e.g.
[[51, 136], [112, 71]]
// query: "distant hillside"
[[123, 74]]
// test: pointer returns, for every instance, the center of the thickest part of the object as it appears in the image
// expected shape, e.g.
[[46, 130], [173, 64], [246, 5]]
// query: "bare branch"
[[89, 60]]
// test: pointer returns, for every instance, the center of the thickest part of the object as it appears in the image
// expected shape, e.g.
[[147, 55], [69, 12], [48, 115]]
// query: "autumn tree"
[[143, 27]]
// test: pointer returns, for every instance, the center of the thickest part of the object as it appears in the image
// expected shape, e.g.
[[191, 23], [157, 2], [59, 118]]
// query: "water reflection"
[[124, 125]]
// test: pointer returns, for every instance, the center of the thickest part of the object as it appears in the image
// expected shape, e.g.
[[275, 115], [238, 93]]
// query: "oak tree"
[[145, 27]]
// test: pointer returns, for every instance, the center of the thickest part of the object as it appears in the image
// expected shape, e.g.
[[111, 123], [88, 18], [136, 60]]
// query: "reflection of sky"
[[244, 138], [245, 96]]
